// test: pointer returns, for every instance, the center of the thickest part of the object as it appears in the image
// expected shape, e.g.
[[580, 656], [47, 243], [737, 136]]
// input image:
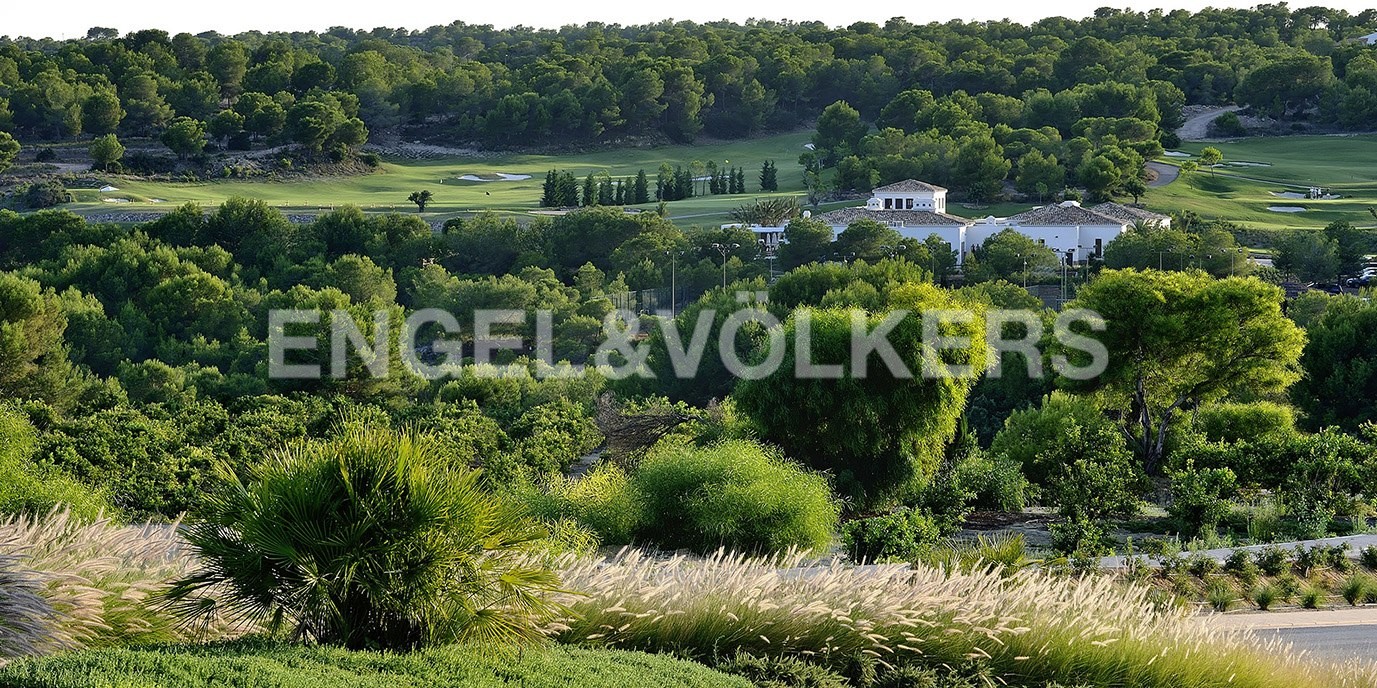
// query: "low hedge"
[[260, 664]]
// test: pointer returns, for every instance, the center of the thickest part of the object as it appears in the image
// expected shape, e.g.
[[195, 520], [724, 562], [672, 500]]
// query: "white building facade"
[[917, 210]]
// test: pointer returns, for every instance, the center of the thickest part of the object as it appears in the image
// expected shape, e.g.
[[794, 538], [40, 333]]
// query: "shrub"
[[993, 482], [904, 534], [1034, 627], [781, 672], [603, 500], [45, 194], [1309, 559], [26, 487], [1368, 557], [1312, 597], [1199, 498], [1220, 595], [1032, 437], [735, 494], [1233, 422], [1355, 589], [369, 539], [262, 663], [1201, 565], [1272, 560], [1078, 537], [1264, 596]]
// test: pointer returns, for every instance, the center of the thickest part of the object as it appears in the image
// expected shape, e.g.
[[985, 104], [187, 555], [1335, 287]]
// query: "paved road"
[[1166, 174], [1338, 643], [1335, 633], [1197, 126]]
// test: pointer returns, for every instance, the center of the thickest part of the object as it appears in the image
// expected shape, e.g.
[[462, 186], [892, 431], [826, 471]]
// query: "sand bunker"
[[809, 146], [1287, 194], [115, 200], [494, 177], [107, 188], [1177, 154], [1286, 208], [1246, 163]]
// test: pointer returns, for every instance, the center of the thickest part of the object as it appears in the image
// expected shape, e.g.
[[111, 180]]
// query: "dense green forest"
[[521, 86]]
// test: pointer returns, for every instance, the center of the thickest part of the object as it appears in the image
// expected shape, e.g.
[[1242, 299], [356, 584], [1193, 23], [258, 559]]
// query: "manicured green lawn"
[[388, 188], [1343, 165], [264, 665]]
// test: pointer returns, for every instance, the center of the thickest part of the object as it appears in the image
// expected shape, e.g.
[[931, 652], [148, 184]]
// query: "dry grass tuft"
[[1029, 627]]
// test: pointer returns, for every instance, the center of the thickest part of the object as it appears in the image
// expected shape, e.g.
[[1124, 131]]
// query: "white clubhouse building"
[[917, 210]]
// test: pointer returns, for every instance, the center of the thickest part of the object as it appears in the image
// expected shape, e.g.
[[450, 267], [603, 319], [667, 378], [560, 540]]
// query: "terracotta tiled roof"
[[909, 218], [907, 185]]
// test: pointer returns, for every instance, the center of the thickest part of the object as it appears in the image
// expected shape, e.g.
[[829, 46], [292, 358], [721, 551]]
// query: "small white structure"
[[917, 210], [1370, 39]]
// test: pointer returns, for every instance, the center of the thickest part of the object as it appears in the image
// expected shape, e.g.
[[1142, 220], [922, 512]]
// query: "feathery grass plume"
[[27, 620], [97, 580], [370, 540], [1027, 628]]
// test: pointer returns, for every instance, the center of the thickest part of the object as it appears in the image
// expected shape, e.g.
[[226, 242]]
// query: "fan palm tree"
[[368, 540]]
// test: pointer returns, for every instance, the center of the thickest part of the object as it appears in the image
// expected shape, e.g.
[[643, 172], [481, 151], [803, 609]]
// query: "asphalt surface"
[[1337, 643], [1166, 174]]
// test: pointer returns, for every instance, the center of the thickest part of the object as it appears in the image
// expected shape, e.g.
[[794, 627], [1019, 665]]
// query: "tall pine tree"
[[641, 191], [769, 180]]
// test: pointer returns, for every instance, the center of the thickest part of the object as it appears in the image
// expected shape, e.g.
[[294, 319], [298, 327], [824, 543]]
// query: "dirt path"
[[1198, 123]]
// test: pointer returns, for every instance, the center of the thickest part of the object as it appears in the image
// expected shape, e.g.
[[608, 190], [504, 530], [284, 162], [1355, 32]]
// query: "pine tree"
[[549, 189], [568, 192], [714, 179], [605, 193], [590, 190], [641, 191], [769, 180], [663, 179], [619, 193]]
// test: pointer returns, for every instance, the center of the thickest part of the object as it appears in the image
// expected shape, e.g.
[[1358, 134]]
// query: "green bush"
[[370, 539], [781, 672], [1368, 557], [1032, 437], [1356, 588], [1220, 595], [1240, 422], [993, 482], [26, 487], [736, 494], [257, 663], [905, 534], [603, 500], [1199, 498], [1265, 596], [1272, 560]]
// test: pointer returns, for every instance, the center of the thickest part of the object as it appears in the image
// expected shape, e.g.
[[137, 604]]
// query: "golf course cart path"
[[1165, 174], [1197, 126]]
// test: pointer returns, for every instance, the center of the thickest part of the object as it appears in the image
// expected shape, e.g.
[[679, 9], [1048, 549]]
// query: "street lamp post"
[[673, 282], [725, 249]]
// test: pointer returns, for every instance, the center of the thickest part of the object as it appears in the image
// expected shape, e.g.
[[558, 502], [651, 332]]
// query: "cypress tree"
[[605, 193], [641, 192], [548, 190], [590, 190]]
